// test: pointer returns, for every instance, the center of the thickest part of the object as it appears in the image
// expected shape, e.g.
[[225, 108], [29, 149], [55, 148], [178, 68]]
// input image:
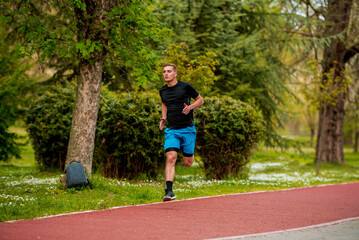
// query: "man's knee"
[[171, 158], [188, 161]]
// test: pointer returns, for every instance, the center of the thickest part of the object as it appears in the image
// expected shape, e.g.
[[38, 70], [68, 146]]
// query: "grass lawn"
[[26, 193]]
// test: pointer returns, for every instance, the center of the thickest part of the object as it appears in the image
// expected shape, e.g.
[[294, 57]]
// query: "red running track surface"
[[213, 217]]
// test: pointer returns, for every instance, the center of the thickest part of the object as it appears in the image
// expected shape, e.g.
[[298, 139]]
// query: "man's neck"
[[172, 83]]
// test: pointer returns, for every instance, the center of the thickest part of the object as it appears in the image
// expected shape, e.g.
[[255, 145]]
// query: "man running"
[[180, 133]]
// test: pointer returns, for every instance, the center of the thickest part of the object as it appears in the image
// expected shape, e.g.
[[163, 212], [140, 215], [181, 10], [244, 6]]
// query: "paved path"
[[204, 218], [342, 230]]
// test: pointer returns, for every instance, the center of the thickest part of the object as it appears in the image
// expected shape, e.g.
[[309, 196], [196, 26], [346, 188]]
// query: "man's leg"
[[188, 160], [170, 165], [170, 175], [188, 148]]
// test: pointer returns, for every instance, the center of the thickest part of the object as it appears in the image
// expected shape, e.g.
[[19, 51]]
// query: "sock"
[[169, 185]]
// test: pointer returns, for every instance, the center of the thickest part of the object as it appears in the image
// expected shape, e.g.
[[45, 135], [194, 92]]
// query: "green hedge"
[[48, 124], [128, 141], [227, 131]]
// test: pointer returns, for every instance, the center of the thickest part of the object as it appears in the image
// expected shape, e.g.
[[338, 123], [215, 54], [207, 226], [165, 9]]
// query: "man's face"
[[169, 74]]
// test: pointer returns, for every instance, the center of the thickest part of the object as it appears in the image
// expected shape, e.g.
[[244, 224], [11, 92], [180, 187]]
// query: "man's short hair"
[[171, 65]]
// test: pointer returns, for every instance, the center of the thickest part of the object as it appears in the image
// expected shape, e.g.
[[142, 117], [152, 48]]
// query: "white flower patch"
[[9, 204], [189, 177], [195, 164], [14, 201], [201, 183], [273, 177], [262, 166], [264, 180], [125, 183], [181, 190], [294, 177], [34, 181], [343, 175], [17, 198], [282, 158]]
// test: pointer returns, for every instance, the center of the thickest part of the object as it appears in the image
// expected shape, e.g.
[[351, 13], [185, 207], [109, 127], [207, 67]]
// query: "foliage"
[[123, 33], [48, 125], [249, 44], [14, 84], [89, 31], [227, 131], [199, 72], [321, 92], [128, 141], [133, 28]]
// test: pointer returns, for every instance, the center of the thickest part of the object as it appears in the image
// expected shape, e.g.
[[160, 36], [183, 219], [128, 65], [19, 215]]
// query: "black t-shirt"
[[175, 97]]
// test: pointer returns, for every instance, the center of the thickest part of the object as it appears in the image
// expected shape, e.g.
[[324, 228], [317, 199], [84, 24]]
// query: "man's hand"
[[186, 109], [162, 123]]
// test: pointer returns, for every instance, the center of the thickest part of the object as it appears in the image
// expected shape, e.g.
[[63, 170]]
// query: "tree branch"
[[315, 10], [351, 52]]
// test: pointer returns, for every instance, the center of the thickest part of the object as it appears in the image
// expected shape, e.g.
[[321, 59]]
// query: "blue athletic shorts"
[[181, 139]]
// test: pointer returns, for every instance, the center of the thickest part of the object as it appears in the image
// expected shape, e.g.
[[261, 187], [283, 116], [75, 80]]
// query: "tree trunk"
[[311, 124], [312, 133], [330, 141], [356, 141], [356, 126], [329, 147], [84, 117]]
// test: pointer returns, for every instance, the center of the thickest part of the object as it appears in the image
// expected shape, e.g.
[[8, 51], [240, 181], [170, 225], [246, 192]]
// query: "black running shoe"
[[169, 196]]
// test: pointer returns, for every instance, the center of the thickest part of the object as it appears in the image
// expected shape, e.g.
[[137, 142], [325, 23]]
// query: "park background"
[[291, 68]]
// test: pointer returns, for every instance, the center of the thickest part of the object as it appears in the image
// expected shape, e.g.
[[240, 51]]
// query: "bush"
[[48, 124], [14, 87], [227, 131], [128, 141]]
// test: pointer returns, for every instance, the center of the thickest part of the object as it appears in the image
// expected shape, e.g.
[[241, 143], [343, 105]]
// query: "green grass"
[[26, 193]]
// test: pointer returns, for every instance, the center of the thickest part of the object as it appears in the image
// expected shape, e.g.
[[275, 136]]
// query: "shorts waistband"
[[182, 130]]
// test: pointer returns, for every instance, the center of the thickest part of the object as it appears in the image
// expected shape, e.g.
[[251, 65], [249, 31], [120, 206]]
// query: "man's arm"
[[164, 115], [197, 103]]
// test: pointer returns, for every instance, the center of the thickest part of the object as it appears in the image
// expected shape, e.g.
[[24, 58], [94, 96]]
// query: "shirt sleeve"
[[191, 91]]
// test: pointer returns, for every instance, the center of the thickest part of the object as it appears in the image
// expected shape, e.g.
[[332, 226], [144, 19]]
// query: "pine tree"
[[248, 40]]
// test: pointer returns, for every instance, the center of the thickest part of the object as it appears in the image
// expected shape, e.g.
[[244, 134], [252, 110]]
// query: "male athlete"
[[180, 133]]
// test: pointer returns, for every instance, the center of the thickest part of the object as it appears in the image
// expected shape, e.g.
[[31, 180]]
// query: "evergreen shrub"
[[227, 131], [128, 140], [48, 124]]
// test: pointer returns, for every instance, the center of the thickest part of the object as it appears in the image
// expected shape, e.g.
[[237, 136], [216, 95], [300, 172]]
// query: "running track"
[[203, 218]]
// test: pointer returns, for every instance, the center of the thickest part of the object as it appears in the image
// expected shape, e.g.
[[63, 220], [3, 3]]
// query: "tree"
[[14, 84], [308, 84], [247, 38], [90, 31], [330, 27], [336, 55], [199, 71], [351, 124]]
